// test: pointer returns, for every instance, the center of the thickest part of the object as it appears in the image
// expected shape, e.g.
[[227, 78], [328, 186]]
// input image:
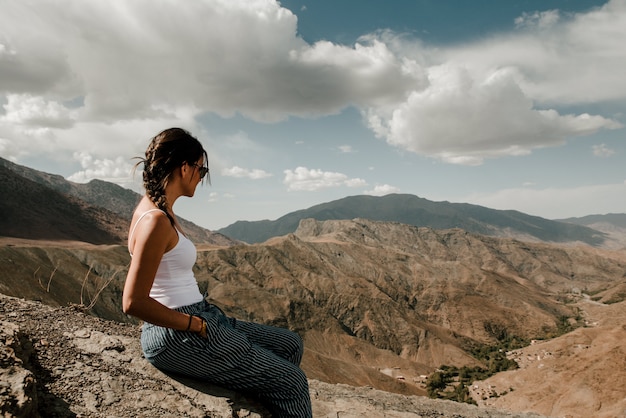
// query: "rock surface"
[[60, 362]]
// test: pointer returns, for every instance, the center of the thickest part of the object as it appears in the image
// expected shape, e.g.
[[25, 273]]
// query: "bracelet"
[[202, 331], [189, 324]]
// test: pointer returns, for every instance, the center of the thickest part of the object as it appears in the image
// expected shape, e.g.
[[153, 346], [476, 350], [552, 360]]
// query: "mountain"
[[383, 304], [378, 299], [413, 210], [379, 304], [48, 207], [616, 219], [97, 192], [34, 211], [613, 225]]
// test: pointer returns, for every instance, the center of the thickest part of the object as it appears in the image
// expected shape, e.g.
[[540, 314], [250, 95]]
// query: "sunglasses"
[[202, 170]]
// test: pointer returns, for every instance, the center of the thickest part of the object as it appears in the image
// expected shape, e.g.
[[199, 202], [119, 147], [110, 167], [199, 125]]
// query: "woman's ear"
[[183, 171], [186, 171]]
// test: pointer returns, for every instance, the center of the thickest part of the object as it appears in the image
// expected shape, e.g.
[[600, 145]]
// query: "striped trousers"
[[252, 358]]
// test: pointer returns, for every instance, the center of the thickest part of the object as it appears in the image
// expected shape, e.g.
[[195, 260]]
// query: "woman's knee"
[[296, 348], [294, 385]]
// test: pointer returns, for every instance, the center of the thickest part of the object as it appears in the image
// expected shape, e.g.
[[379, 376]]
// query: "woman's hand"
[[199, 326], [203, 330]]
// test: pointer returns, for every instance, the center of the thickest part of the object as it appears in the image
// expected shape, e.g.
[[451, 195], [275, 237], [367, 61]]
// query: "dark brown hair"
[[168, 151]]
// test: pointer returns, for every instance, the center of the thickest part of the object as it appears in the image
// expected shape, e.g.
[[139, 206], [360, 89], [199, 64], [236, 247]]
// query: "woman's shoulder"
[[148, 219], [151, 218], [154, 229]]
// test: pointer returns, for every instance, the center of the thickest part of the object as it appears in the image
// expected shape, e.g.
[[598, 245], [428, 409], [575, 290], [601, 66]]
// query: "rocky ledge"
[[62, 362]]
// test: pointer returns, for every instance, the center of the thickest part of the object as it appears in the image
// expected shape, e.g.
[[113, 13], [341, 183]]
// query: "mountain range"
[[41, 201], [413, 210], [47, 207], [379, 303]]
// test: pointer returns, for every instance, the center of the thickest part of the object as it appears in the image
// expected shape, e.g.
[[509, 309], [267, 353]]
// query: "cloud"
[[501, 96], [23, 136], [573, 59], [304, 179], [538, 19], [118, 170], [239, 172], [134, 60], [27, 110], [111, 74], [382, 190], [346, 149], [463, 119], [553, 203], [602, 151]]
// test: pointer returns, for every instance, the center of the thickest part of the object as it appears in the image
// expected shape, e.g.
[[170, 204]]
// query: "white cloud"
[[346, 149], [117, 170], [553, 203], [500, 96], [602, 151], [134, 60], [24, 109], [356, 182], [134, 68], [574, 59], [539, 20], [8, 149], [239, 172], [463, 120], [304, 179], [382, 190], [99, 139]]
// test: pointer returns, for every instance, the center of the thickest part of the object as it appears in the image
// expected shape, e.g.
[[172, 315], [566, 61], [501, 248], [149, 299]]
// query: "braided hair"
[[167, 151]]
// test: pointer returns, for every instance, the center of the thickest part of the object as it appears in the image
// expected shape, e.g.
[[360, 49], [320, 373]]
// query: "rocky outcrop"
[[61, 362], [18, 396]]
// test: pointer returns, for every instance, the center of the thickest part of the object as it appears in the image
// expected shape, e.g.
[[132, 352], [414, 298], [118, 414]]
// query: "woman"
[[182, 333]]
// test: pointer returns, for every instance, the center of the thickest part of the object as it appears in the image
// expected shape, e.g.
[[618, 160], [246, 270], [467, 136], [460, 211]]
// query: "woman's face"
[[196, 171]]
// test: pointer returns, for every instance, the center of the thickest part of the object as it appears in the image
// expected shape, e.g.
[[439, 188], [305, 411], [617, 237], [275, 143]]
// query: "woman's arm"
[[152, 238]]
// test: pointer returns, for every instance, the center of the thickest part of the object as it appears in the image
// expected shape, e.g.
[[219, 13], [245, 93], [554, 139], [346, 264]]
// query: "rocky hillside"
[[381, 307], [413, 210], [47, 207], [378, 304], [34, 211], [580, 374], [84, 366], [612, 224], [362, 290]]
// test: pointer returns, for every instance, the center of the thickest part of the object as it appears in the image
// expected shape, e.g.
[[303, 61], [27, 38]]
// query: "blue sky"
[[505, 104]]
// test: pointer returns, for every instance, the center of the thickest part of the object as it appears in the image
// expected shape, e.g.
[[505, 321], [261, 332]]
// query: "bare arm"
[[152, 238]]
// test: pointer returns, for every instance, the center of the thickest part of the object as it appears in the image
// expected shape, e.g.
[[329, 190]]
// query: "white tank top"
[[174, 283]]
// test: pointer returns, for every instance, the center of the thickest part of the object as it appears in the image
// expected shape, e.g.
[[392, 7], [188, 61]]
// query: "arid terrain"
[[528, 319], [87, 367], [381, 306]]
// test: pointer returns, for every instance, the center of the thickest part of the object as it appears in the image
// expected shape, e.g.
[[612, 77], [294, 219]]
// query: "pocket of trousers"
[[152, 341]]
